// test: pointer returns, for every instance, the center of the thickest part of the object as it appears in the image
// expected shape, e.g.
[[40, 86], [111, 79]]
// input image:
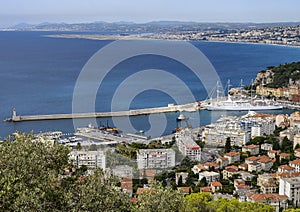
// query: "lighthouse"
[[180, 119], [14, 115]]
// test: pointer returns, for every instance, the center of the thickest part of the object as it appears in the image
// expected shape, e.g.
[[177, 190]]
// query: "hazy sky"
[[37, 11]]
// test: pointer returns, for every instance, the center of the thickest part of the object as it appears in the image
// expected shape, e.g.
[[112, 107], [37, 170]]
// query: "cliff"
[[280, 76]]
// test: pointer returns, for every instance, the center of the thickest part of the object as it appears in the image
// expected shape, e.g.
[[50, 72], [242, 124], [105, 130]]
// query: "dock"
[[191, 107]]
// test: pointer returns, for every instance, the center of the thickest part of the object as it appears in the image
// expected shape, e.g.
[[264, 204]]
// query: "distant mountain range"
[[150, 27]]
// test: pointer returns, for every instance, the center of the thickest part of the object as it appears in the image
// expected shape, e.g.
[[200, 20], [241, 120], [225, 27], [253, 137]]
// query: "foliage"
[[287, 145], [283, 74], [96, 192], [197, 202], [203, 182], [205, 202], [157, 198], [32, 179], [228, 145], [257, 140], [292, 210], [28, 174]]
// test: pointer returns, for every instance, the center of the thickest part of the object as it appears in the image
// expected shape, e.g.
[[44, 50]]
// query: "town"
[[285, 35], [254, 158]]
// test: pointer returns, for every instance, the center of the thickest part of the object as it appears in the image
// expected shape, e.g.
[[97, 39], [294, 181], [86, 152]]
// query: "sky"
[[140, 11]]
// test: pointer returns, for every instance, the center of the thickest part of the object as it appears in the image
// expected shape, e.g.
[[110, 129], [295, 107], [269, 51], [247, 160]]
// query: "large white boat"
[[252, 104]]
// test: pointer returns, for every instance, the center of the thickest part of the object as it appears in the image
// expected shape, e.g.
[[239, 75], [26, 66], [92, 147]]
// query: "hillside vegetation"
[[279, 76]]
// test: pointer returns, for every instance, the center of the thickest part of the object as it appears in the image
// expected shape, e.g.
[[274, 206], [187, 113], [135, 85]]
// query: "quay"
[[191, 107]]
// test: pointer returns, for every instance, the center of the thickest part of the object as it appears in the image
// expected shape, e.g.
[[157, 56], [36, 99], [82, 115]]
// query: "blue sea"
[[38, 75]]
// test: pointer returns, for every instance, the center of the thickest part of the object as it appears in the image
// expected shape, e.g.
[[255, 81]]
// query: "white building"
[[252, 149], [266, 146], [295, 164], [91, 159], [262, 127], [155, 158], [291, 188], [216, 134], [296, 140], [187, 146], [209, 176], [232, 157]]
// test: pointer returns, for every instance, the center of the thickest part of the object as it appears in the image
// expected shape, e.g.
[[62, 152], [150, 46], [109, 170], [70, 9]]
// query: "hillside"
[[279, 76]]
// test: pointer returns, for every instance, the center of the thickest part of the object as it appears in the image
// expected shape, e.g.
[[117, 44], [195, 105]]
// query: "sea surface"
[[38, 75]]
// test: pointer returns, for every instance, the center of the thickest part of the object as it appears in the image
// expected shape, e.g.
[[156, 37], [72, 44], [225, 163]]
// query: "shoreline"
[[136, 37]]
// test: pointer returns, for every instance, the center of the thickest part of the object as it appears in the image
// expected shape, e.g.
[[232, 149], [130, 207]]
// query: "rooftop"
[[231, 154], [216, 184], [252, 146]]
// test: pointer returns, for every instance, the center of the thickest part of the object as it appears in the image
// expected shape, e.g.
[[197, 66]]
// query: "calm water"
[[38, 74]]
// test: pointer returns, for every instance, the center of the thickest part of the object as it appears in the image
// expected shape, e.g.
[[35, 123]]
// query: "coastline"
[[135, 37]]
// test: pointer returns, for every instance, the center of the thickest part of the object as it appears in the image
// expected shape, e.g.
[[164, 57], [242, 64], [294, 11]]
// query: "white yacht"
[[221, 103]]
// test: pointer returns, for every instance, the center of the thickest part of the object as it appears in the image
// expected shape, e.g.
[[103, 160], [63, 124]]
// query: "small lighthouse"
[[14, 115], [180, 119]]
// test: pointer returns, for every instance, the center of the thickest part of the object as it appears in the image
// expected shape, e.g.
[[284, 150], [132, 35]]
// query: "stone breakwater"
[[191, 107]]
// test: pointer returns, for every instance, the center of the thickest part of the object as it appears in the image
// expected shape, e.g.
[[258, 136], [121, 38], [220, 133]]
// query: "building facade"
[[155, 158], [91, 159]]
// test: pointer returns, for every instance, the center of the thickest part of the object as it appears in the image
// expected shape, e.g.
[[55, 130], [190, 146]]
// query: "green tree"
[[78, 146], [197, 202], [203, 182], [158, 198], [31, 179], [96, 192], [287, 145], [228, 145], [205, 202], [29, 172]]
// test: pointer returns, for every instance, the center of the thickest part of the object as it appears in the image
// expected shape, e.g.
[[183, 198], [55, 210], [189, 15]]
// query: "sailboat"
[[252, 104]]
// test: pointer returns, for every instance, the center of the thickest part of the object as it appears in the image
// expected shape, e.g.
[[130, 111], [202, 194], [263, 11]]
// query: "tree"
[[157, 198], [78, 146], [203, 182], [205, 202], [228, 145], [28, 174], [180, 181], [96, 192], [197, 202], [32, 179], [287, 145]]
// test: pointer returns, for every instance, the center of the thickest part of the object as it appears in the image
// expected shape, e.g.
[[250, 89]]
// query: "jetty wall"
[[191, 107]]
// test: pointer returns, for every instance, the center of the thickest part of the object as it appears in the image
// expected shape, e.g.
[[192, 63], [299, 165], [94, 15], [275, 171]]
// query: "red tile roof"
[[231, 167], [223, 158], [231, 154], [265, 197], [286, 167], [252, 146], [295, 162], [253, 158], [211, 164], [264, 159], [205, 189], [216, 184], [285, 155]]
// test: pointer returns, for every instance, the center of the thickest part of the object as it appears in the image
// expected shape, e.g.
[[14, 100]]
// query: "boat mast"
[[251, 94], [228, 88], [218, 89]]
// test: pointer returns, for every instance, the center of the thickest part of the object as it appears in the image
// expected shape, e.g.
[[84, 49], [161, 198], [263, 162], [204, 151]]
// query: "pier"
[[191, 107]]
